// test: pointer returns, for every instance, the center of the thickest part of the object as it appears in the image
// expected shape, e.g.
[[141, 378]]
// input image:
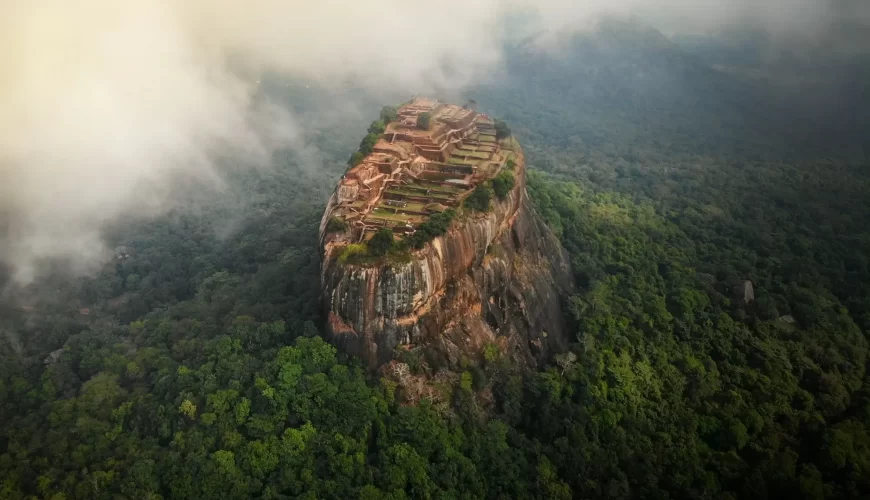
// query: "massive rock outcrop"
[[494, 278]]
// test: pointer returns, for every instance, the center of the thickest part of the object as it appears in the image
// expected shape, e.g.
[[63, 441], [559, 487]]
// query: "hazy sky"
[[103, 103]]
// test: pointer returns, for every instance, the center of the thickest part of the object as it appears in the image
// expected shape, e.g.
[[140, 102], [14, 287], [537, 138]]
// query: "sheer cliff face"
[[494, 278]]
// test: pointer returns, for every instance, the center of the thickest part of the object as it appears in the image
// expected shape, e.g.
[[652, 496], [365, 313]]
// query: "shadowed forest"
[[672, 170]]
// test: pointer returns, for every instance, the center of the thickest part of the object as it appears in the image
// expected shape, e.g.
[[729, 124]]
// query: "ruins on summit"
[[474, 264], [426, 160]]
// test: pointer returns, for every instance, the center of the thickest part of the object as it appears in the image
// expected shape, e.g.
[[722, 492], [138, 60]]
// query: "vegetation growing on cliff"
[[479, 199], [382, 247], [389, 114], [382, 242], [352, 252], [435, 226], [502, 131], [502, 184], [375, 131], [335, 225]]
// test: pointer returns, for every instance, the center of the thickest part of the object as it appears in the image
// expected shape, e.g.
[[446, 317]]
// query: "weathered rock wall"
[[494, 277]]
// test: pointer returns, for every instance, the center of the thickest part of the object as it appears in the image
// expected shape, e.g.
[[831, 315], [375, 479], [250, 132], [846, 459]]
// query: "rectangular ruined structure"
[[413, 172]]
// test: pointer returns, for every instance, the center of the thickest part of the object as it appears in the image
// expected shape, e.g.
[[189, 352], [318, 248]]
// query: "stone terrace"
[[413, 173]]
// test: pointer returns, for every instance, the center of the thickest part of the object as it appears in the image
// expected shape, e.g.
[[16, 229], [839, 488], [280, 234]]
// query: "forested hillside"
[[191, 366]]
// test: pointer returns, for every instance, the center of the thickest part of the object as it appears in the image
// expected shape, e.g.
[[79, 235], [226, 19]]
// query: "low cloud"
[[104, 104]]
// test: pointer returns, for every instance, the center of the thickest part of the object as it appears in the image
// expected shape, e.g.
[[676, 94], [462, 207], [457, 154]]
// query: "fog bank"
[[105, 104]]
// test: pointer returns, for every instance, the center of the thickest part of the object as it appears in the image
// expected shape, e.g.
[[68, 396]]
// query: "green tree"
[[188, 409], [503, 183], [336, 225], [356, 158], [424, 120], [367, 145], [502, 131], [377, 127], [479, 199], [389, 114], [382, 241]]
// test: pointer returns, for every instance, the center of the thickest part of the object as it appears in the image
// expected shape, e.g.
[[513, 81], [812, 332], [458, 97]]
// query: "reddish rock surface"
[[495, 277]]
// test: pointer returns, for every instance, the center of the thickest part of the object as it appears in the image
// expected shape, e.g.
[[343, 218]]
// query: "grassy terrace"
[[410, 207], [421, 187], [436, 192], [382, 214], [405, 191], [433, 195], [414, 207], [420, 191], [468, 152], [435, 187], [471, 148]]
